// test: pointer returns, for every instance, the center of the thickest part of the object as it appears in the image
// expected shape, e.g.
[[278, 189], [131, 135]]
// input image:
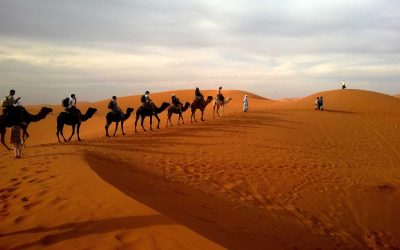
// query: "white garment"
[[10, 101], [245, 104], [71, 103]]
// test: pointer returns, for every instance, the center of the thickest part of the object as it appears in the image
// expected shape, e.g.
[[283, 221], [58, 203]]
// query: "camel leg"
[[25, 136], [116, 127], [202, 114], [158, 119], [137, 118], [106, 127], [151, 122], [193, 116], [77, 131], [141, 122], [168, 119], [122, 127], [3, 133], [73, 132], [179, 118], [214, 111], [60, 130]]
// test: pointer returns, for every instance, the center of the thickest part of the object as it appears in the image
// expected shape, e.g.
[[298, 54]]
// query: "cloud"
[[274, 48]]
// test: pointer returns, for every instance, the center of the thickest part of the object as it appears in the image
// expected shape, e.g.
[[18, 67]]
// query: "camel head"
[[129, 110], [164, 105], [45, 110], [228, 100], [209, 99], [187, 105], [90, 112]]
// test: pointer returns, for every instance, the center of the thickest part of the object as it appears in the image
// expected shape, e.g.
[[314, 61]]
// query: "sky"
[[288, 48]]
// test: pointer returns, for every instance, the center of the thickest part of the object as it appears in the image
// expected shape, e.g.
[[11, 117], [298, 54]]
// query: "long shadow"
[[232, 225], [338, 111], [79, 229]]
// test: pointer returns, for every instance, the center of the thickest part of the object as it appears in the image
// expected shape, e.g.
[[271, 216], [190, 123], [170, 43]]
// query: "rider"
[[198, 96], [176, 103], [11, 109], [72, 107], [113, 105], [220, 96], [9, 102], [146, 101]]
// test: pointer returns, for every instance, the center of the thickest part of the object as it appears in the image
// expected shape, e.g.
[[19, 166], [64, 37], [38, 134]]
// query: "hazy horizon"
[[276, 49]]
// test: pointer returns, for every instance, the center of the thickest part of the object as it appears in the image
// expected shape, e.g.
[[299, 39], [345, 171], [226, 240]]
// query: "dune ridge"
[[281, 176]]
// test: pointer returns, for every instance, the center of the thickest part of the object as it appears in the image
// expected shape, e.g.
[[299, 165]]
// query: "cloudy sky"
[[286, 48]]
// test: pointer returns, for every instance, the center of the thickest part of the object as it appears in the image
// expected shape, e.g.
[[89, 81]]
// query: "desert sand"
[[282, 176]]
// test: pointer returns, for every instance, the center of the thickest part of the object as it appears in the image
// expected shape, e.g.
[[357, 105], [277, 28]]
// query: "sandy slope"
[[279, 177]]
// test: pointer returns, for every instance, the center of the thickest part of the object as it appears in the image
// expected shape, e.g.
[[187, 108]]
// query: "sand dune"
[[351, 100], [281, 176]]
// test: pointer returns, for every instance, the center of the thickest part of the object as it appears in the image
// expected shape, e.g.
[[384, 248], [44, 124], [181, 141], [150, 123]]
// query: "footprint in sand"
[[41, 193], [32, 180], [19, 219], [16, 184], [31, 205]]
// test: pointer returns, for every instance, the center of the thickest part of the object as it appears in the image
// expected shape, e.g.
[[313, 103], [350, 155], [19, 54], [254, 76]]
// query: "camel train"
[[75, 118]]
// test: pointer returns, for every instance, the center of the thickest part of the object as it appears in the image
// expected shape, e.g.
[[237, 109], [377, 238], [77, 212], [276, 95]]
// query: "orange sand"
[[281, 176]]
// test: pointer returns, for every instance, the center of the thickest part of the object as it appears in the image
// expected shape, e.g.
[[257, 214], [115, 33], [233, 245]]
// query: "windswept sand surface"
[[282, 176]]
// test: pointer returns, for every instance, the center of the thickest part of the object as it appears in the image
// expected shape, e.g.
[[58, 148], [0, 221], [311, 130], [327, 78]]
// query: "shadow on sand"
[[79, 229]]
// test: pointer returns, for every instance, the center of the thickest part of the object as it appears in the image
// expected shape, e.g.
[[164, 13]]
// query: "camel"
[[174, 110], [66, 118], [114, 117], [220, 104], [27, 117], [142, 112], [196, 105]]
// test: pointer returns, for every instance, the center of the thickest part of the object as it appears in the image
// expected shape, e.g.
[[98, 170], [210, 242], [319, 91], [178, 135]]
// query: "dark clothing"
[[197, 94], [113, 105], [221, 97], [320, 104], [143, 98], [175, 101]]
